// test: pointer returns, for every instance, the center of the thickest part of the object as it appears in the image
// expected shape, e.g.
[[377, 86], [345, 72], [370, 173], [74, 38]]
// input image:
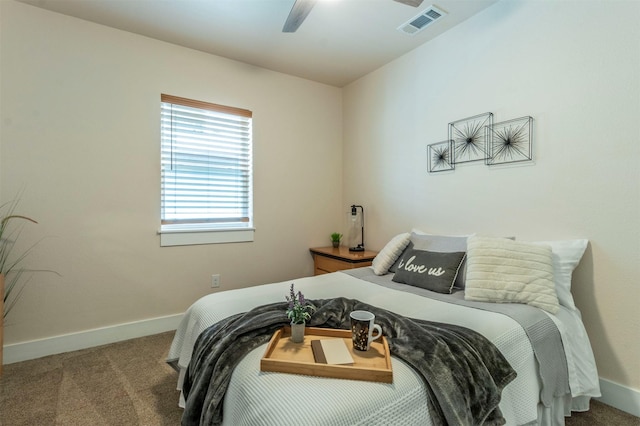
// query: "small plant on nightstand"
[[335, 239]]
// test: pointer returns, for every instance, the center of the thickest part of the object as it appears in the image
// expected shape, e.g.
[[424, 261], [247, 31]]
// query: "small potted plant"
[[335, 239], [298, 311]]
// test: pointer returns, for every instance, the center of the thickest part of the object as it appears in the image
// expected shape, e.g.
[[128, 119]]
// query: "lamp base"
[[358, 248]]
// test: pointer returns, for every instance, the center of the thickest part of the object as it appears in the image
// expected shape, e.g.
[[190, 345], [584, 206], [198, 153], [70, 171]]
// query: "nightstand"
[[330, 259]]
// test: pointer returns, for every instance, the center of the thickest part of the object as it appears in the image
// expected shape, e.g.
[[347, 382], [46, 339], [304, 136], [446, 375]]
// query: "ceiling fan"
[[301, 9]]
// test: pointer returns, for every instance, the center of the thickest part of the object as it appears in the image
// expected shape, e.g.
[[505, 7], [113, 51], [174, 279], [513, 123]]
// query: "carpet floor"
[[128, 383]]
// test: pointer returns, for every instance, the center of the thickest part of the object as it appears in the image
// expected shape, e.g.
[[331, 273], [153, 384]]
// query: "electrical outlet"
[[215, 280]]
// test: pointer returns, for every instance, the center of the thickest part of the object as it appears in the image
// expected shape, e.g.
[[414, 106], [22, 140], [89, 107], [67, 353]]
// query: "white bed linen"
[[254, 397]]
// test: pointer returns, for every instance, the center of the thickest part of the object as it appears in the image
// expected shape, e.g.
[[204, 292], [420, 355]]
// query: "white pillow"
[[388, 255], [505, 271], [566, 256]]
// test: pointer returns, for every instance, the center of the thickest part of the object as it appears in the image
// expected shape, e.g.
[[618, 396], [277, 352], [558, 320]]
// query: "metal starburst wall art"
[[479, 138], [510, 141], [469, 137], [440, 157]]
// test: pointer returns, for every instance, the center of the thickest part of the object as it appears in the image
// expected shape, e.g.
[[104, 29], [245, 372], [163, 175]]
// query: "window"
[[206, 179]]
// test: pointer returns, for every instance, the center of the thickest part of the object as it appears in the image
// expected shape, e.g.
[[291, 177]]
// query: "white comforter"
[[256, 397]]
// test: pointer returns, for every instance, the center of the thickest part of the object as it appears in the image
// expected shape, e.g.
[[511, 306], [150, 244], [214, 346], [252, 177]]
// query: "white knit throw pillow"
[[388, 255], [505, 271]]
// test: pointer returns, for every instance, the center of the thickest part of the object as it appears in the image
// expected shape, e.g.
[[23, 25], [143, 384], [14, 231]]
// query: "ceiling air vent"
[[421, 21]]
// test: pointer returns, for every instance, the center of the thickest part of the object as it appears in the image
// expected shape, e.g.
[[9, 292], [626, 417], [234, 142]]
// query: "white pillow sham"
[[566, 257]]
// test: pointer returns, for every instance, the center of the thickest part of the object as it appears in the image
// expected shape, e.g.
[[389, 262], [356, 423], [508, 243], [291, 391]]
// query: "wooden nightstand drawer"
[[328, 264], [330, 259]]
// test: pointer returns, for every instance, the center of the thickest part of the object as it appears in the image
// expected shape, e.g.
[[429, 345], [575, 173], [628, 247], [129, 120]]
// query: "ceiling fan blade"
[[414, 3], [299, 12]]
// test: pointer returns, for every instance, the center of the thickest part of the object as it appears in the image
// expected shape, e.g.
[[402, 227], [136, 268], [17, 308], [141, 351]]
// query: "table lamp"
[[354, 215]]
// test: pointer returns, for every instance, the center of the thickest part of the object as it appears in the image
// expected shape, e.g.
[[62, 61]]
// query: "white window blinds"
[[206, 165]]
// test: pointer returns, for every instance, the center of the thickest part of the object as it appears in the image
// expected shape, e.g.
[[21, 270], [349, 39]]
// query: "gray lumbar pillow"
[[437, 243], [430, 270]]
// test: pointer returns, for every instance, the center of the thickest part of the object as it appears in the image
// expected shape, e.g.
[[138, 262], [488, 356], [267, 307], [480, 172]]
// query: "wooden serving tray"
[[284, 356]]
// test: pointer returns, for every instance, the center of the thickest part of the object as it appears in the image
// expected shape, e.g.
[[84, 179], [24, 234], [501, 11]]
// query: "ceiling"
[[339, 41]]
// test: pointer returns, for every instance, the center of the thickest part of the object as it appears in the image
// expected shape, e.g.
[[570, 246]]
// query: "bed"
[[554, 377]]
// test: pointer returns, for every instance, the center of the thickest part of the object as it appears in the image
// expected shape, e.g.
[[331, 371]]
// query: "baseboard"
[[87, 339], [619, 396], [616, 395]]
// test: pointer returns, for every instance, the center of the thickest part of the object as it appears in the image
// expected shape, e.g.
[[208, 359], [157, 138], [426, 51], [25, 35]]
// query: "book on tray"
[[331, 351]]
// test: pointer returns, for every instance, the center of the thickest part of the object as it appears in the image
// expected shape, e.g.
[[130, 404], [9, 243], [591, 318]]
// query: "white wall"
[[575, 68], [80, 134]]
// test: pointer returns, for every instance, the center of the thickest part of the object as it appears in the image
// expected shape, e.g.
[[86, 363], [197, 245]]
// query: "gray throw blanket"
[[464, 373]]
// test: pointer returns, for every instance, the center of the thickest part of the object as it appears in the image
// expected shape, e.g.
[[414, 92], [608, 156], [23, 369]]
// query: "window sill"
[[172, 237]]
